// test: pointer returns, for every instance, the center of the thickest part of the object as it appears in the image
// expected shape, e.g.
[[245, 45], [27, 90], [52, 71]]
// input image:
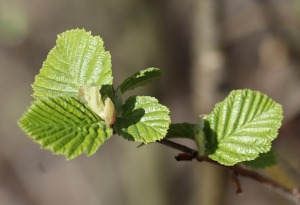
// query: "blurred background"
[[205, 48]]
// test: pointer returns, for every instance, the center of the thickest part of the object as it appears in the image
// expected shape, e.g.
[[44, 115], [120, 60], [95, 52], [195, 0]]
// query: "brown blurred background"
[[204, 47]]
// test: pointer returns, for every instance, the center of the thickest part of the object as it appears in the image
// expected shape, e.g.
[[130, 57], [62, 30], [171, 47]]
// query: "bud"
[[199, 136], [92, 98], [109, 112]]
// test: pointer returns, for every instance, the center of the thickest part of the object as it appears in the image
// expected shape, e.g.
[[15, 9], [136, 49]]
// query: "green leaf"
[[65, 126], [139, 78], [181, 130], [242, 126], [263, 161], [143, 119], [78, 59]]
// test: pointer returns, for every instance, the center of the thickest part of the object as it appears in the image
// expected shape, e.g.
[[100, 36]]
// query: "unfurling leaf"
[[109, 114], [199, 135], [92, 98], [139, 78]]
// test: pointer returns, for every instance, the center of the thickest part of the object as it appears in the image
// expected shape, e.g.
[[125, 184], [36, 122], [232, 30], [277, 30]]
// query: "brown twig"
[[190, 154], [235, 179]]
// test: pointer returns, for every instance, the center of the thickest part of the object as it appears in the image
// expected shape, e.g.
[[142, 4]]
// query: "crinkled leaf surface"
[[139, 78], [263, 161], [143, 119], [77, 59], [65, 126], [242, 126], [181, 130]]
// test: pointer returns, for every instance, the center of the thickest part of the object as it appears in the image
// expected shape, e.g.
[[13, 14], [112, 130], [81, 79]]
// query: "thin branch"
[[179, 147], [190, 154]]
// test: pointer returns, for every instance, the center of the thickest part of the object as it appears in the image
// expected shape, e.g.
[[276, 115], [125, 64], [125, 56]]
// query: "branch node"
[[186, 156]]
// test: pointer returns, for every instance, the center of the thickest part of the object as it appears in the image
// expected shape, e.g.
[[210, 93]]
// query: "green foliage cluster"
[[77, 108]]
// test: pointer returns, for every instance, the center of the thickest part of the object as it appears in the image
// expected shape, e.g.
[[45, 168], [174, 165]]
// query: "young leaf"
[[263, 161], [200, 138], [243, 126], [143, 119], [78, 59], [65, 126], [92, 98], [139, 78], [181, 130]]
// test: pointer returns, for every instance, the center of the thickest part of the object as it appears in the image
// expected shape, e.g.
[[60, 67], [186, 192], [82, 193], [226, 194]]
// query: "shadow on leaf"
[[129, 118], [211, 138]]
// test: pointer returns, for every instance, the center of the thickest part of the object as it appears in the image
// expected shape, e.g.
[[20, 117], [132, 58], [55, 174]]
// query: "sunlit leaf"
[[143, 119], [78, 59], [242, 126], [65, 126]]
